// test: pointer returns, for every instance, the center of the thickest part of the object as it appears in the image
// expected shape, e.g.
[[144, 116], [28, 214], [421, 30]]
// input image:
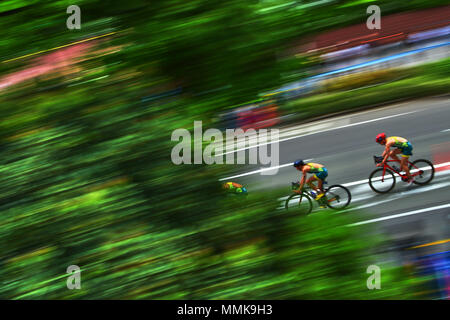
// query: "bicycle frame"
[[403, 176], [327, 200], [307, 190]]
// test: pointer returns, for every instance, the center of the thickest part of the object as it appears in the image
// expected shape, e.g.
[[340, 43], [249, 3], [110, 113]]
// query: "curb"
[[287, 124]]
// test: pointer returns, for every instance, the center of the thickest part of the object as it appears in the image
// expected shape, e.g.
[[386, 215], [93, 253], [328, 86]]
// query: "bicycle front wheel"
[[422, 171], [337, 197], [299, 203], [381, 183]]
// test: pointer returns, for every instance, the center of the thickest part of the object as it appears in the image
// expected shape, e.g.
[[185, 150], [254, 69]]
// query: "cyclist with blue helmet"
[[319, 174]]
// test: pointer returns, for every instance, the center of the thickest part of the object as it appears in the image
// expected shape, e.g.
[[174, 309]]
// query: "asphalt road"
[[345, 145]]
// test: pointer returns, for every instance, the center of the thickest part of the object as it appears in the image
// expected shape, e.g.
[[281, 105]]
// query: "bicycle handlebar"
[[296, 185], [377, 159]]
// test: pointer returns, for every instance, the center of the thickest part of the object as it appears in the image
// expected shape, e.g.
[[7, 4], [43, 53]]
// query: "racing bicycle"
[[382, 180], [335, 197]]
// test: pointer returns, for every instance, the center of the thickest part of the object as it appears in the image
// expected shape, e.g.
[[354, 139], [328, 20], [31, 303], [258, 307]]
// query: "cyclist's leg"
[[311, 184], [406, 153], [321, 176], [404, 166], [318, 189], [320, 185], [393, 154]]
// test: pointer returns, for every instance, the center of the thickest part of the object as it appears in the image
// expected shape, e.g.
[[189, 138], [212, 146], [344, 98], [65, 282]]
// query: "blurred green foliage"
[[202, 45], [86, 177], [91, 183]]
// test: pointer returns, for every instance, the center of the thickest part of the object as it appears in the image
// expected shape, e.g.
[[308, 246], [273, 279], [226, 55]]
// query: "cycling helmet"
[[235, 188], [380, 137], [242, 191], [299, 163]]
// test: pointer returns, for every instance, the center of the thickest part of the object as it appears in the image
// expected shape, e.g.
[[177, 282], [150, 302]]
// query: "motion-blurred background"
[[87, 115]]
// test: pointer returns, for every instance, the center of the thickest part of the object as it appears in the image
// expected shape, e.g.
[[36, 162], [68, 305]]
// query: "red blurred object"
[[394, 28], [60, 60], [258, 117]]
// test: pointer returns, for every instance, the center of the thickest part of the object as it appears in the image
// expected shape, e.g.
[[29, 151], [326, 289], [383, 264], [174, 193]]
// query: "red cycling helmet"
[[380, 137]]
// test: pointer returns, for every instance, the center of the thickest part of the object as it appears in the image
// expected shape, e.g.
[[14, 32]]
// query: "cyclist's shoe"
[[319, 196], [410, 181], [313, 194]]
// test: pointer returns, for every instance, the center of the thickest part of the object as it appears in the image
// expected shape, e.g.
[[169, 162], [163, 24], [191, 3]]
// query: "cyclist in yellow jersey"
[[319, 174], [403, 146]]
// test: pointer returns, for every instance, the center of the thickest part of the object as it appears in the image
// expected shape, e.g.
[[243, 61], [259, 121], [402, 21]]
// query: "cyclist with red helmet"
[[403, 146]]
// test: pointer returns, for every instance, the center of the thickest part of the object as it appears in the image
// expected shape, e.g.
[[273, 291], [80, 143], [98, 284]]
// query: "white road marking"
[[424, 189], [445, 130], [320, 131], [348, 184], [402, 215], [362, 198], [372, 204], [401, 195], [261, 170], [364, 188]]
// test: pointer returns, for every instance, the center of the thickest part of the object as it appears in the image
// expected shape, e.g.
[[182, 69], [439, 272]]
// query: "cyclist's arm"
[[302, 181], [386, 152]]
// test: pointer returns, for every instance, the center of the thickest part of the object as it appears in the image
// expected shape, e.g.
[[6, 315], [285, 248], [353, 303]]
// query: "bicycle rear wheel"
[[422, 171], [337, 197], [381, 183], [299, 203]]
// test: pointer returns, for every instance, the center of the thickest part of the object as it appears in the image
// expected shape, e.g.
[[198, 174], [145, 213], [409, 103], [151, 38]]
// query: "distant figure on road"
[[235, 188]]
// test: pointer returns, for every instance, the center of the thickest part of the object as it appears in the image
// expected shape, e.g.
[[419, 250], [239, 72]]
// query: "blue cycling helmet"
[[242, 190], [299, 163]]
